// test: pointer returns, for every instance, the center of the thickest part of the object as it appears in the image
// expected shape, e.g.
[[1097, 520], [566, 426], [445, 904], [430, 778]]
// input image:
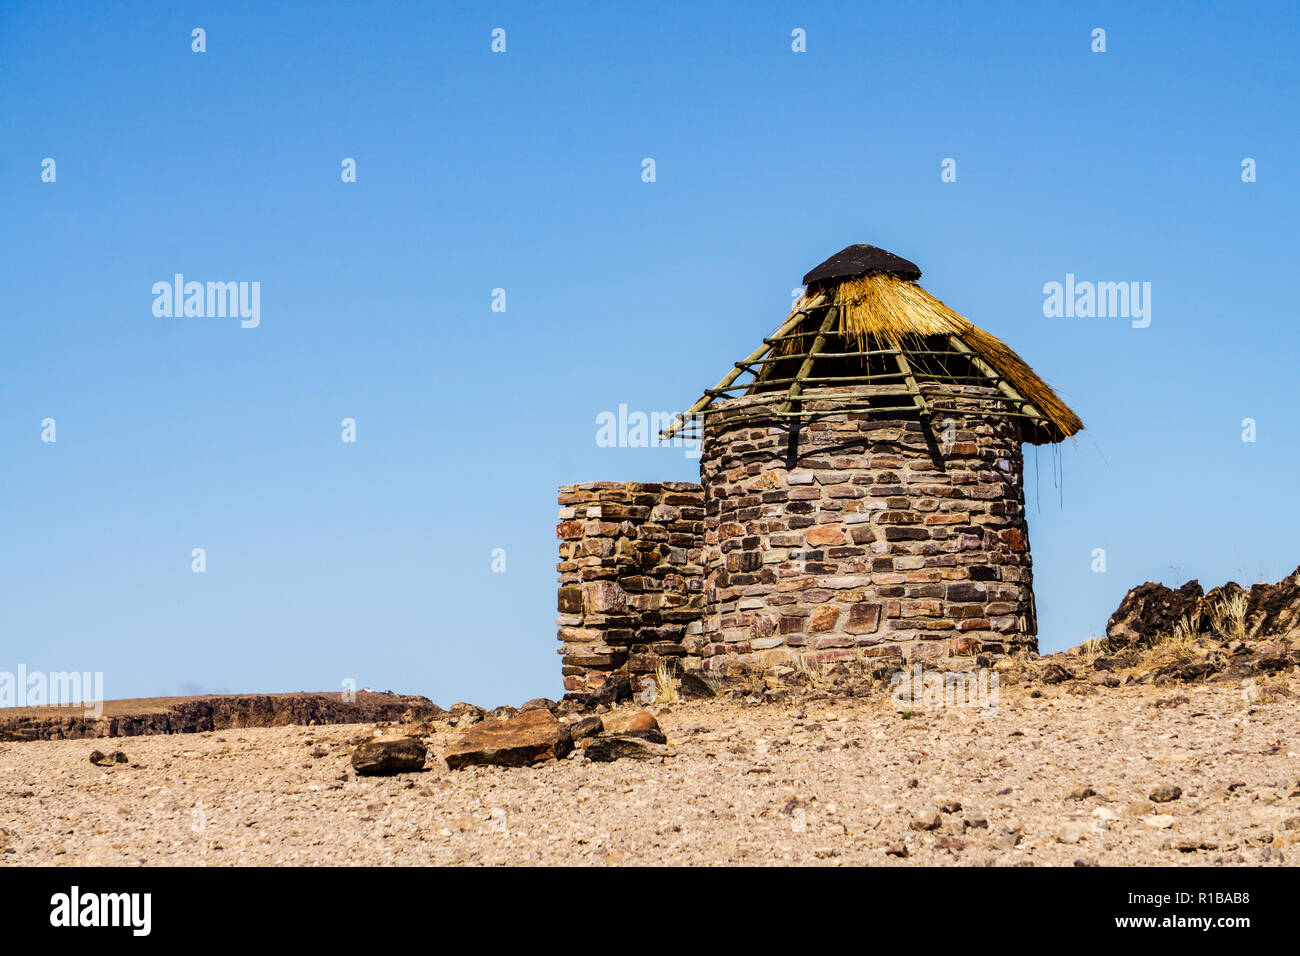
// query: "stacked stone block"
[[849, 536], [631, 579]]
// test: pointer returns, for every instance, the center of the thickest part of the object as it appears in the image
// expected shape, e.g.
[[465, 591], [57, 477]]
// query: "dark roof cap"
[[858, 261]]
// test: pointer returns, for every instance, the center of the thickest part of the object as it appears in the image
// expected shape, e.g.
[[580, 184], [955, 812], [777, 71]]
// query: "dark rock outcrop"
[[1273, 610], [1151, 609], [1238, 634], [198, 714]]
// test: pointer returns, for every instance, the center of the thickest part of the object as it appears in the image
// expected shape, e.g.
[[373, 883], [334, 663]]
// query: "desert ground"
[[1056, 777]]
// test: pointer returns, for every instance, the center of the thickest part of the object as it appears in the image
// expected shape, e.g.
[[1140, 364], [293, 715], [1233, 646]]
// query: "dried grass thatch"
[[888, 340], [898, 313]]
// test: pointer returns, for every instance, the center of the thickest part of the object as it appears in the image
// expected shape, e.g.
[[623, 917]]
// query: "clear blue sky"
[[522, 171]]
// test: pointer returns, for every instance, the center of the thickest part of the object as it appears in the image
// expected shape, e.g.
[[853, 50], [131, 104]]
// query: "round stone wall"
[[846, 537]]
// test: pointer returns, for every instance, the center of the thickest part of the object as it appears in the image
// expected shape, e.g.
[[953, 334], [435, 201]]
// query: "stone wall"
[[848, 537], [631, 579]]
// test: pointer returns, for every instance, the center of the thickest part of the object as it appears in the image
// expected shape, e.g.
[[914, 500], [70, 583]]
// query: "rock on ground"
[[608, 749], [529, 738], [389, 755]]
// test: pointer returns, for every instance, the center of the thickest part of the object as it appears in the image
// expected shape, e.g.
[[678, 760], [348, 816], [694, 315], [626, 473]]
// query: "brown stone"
[[967, 591], [529, 738], [607, 749], [791, 624], [863, 618], [693, 687], [585, 727], [1014, 537], [636, 723], [463, 714], [926, 821], [824, 618], [1053, 673], [387, 755], [825, 535], [947, 519], [604, 596], [570, 600]]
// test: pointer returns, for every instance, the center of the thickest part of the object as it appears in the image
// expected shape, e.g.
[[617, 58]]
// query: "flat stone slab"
[[608, 749], [386, 755], [637, 723], [529, 738]]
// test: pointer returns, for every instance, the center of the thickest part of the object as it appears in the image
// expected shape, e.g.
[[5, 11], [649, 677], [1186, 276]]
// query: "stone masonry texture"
[[883, 538], [848, 537], [631, 582]]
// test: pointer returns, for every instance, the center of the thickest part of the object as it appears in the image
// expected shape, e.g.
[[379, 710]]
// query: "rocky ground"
[[1063, 773], [1170, 741]]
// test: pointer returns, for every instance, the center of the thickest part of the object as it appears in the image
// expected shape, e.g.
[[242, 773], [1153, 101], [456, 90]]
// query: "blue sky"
[[522, 171]]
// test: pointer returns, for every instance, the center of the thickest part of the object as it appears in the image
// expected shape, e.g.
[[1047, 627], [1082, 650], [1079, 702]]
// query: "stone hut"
[[861, 497]]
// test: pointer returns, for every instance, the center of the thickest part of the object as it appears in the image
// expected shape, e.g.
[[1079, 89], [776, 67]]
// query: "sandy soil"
[[824, 782]]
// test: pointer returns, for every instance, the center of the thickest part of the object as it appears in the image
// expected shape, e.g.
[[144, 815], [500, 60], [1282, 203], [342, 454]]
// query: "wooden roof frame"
[[913, 394]]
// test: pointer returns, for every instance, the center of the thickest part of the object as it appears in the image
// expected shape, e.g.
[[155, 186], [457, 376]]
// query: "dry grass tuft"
[[665, 684], [1188, 629], [1093, 648], [1228, 617], [1175, 645], [1022, 658], [816, 675]]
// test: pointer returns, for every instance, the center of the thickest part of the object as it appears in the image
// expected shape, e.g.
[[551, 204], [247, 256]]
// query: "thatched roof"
[[867, 329]]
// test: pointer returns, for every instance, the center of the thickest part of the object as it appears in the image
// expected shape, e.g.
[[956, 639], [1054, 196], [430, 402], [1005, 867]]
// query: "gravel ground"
[[823, 782]]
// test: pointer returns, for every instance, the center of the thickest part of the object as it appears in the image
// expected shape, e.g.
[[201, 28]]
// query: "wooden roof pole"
[[1001, 383], [706, 399], [807, 365], [906, 368]]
